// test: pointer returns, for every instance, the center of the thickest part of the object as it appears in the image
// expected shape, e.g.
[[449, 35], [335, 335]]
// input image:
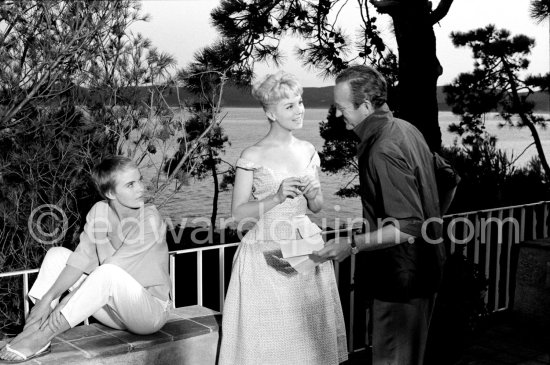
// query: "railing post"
[[545, 221], [465, 234], [497, 265], [351, 303], [173, 278], [199, 278], [511, 241], [453, 235], [477, 229], [522, 225], [221, 277], [25, 294], [487, 253], [534, 224]]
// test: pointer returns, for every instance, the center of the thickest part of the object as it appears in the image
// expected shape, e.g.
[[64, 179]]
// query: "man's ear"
[[368, 105]]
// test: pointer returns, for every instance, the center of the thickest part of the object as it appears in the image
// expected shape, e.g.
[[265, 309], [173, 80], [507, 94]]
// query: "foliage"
[[258, 26], [48, 136], [495, 83], [75, 86], [48, 47], [490, 179], [539, 10], [205, 78], [339, 152]]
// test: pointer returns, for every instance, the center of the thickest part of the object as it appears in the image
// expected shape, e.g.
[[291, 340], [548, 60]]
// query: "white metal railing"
[[492, 249], [532, 223], [25, 274]]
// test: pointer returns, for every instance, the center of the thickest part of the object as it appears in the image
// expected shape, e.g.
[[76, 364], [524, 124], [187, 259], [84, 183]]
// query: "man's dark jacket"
[[397, 186]]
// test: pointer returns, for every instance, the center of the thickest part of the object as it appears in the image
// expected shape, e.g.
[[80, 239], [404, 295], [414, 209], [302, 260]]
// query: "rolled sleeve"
[[398, 192]]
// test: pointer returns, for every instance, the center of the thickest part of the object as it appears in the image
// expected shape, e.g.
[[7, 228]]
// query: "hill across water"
[[321, 98]]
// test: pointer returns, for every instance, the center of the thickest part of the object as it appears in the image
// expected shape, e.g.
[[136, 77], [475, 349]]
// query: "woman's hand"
[[56, 319], [311, 186], [39, 313], [289, 188]]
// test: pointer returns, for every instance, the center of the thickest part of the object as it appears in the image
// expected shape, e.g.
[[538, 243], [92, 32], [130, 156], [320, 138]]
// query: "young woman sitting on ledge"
[[118, 273]]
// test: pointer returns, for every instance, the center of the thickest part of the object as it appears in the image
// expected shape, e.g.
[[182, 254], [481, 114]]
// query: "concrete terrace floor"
[[506, 340]]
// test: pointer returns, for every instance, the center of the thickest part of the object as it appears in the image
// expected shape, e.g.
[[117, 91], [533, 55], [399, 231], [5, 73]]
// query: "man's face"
[[343, 100]]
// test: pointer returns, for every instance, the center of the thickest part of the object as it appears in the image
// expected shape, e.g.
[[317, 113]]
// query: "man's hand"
[[337, 249]]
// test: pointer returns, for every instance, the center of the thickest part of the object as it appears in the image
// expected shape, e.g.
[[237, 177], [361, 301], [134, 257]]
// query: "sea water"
[[244, 126]]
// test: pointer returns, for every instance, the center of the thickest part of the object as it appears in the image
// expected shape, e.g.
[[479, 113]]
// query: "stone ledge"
[[189, 337]]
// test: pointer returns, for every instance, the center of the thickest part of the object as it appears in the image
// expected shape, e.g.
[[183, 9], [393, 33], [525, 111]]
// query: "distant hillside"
[[321, 97], [541, 101], [314, 97]]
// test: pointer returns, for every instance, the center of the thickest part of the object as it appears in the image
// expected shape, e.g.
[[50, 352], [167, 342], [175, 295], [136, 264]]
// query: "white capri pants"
[[109, 294]]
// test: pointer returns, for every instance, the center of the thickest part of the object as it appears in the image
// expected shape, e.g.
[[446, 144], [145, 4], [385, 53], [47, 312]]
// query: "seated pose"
[[118, 273], [280, 310]]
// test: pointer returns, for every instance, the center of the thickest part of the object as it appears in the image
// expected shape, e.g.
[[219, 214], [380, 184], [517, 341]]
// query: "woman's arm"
[[65, 280], [312, 192], [42, 309], [241, 206]]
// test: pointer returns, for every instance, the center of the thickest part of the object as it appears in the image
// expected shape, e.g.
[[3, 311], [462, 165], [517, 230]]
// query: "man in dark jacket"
[[395, 262]]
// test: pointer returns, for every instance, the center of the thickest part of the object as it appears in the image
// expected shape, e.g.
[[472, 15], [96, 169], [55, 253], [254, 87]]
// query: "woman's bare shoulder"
[[306, 146], [254, 153]]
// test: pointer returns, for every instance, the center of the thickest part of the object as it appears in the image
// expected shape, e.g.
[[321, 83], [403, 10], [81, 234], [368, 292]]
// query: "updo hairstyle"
[[275, 87]]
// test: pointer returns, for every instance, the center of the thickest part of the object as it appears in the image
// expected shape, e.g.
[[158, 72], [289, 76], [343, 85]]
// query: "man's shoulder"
[[384, 147]]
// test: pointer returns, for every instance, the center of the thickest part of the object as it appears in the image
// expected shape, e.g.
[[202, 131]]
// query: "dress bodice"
[[282, 221]]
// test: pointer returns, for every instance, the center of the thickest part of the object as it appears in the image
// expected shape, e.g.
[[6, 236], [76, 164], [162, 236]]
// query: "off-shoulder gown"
[[273, 314]]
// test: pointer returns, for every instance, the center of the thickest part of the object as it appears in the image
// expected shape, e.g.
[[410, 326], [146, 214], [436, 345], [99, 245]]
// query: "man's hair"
[[104, 173], [365, 83]]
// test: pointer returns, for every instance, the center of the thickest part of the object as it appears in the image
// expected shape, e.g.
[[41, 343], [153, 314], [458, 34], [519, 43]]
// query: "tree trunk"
[[524, 118], [419, 68]]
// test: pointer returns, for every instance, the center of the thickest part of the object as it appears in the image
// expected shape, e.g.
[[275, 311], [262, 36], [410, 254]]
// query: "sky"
[[181, 27]]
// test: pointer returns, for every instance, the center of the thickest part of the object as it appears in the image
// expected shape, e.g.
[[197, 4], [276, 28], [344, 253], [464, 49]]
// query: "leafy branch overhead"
[[496, 84], [257, 27]]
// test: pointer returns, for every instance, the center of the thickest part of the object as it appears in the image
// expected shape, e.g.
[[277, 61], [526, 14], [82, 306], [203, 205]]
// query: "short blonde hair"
[[275, 87], [104, 174]]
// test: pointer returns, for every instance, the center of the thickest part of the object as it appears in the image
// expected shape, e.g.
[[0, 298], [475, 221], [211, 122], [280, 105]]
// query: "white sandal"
[[43, 351]]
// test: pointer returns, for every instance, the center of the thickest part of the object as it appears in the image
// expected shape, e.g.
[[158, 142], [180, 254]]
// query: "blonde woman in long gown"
[[274, 314]]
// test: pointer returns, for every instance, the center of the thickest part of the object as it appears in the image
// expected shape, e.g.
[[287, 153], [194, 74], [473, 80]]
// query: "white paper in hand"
[[301, 247]]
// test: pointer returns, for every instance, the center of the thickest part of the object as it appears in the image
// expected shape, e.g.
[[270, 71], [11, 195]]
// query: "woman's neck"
[[279, 134], [123, 212]]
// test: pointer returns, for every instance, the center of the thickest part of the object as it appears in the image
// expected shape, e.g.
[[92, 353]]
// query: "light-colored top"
[[137, 245], [283, 221]]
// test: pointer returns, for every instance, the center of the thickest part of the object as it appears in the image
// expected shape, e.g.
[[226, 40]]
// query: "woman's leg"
[[116, 299], [33, 337], [54, 262], [110, 294]]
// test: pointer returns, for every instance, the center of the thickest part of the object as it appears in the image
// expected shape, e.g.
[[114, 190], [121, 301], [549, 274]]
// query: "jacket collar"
[[371, 124]]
